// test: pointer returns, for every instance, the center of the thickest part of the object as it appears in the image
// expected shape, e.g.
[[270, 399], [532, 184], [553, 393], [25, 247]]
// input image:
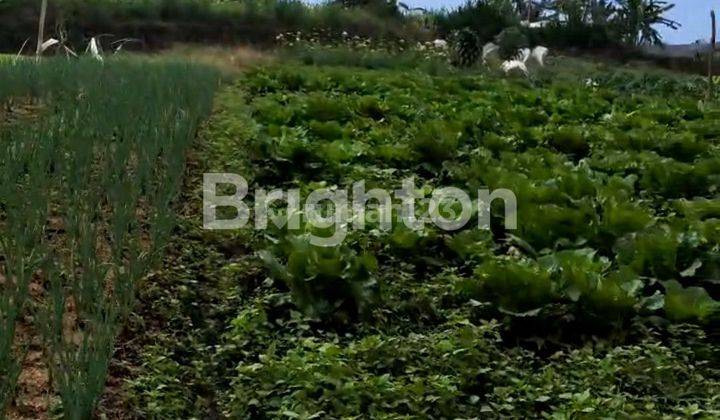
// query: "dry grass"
[[228, 59]]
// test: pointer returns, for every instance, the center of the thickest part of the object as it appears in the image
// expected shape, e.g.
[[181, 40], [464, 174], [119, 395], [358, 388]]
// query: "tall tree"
[[601, 11], [638, 20], [380, 7]]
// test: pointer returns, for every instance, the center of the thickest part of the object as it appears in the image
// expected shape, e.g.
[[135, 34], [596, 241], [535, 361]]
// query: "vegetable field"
[[604, 302], [91, 158], [617, 192]]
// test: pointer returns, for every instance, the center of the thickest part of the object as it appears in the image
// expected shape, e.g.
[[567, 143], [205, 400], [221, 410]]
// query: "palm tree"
[[638, 19], [601, 11]]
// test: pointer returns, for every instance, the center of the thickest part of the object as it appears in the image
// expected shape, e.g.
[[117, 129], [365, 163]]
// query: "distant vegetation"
[[562, 23], [157, 23]]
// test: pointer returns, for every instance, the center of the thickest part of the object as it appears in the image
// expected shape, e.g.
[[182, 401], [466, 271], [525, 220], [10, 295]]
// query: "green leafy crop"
[[603, 303]]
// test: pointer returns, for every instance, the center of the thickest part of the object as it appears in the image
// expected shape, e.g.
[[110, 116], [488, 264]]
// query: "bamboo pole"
[[41, 28], [711, 55]]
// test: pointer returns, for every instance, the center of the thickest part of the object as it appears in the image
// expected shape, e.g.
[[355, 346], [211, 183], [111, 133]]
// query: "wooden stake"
[[529, 11], [711, 54], [41, 28]]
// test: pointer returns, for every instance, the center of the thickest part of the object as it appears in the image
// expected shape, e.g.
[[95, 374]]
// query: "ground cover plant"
[[91, 157], [603, 303]]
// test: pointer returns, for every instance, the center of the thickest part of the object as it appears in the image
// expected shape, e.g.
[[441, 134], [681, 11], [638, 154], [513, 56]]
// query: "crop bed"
[[617, 193], [604, 301], [91, 158]]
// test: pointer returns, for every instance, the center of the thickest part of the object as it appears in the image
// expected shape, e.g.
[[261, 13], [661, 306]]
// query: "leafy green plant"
[[326, 282], [621, 218], [505, 323], [323, 108], [466, 48], [514, 286], [436, 141], [371, 107], [570, 140], [329, 130], [370, 375], [510, 40], [689, 304]]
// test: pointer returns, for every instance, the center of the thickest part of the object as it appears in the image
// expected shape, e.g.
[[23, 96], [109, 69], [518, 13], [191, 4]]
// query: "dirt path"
[[34, 391]]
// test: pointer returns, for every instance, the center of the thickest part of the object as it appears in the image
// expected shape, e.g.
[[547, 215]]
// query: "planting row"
[[91, 158]]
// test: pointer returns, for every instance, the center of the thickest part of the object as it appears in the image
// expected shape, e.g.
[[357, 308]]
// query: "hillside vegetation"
[[156, 24]]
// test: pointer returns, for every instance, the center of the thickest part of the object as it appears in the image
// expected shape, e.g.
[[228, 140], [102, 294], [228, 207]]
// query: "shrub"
[[466, 48], [482, 18], [510, 40], [579, 35]]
